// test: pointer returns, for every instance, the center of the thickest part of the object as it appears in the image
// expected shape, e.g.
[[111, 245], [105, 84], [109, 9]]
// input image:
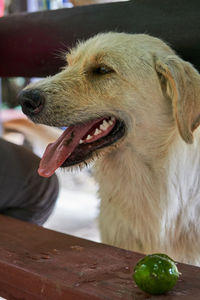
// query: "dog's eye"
[[101, 70]]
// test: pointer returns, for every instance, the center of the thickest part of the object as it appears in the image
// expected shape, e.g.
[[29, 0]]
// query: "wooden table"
[[37, 263]]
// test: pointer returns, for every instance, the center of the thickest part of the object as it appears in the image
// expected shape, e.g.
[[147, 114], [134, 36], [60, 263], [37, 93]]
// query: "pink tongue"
[[56, 153]]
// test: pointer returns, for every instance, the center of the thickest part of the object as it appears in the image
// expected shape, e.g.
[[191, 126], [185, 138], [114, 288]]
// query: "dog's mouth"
[[78, 143]]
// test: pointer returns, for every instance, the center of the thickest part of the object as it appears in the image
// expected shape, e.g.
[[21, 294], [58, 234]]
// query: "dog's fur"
[[149, 181]]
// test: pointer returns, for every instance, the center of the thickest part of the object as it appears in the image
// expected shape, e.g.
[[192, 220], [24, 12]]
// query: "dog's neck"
[[151, 197], [130, 200]]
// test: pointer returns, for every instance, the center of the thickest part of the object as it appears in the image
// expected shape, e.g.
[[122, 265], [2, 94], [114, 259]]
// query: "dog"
[[131, 106]]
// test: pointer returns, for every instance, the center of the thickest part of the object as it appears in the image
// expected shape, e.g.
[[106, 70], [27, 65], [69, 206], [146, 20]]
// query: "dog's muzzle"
[[32, 101]]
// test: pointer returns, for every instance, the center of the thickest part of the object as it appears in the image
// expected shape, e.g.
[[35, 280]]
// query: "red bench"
[[37, 263]]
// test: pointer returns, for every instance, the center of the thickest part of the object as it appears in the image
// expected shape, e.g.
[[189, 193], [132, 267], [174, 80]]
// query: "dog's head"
[[114, 83]]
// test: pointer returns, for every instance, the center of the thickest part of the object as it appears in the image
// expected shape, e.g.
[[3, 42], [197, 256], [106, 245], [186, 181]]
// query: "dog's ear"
[[181, 82]]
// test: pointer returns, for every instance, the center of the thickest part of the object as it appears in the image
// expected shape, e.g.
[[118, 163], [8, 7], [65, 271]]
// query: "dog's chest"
[[129, 207], [141, 211]]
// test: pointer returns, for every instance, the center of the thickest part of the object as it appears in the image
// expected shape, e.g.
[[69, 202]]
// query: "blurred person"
[[23, 193]]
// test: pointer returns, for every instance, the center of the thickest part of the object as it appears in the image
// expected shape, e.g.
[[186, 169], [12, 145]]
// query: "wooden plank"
[[31, 43], [37, 263]]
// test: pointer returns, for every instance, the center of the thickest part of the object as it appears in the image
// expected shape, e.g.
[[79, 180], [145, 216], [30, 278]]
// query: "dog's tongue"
[[56, 153]]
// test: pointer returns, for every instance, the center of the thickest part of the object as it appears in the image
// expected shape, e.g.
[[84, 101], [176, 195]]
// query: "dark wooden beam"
[[39, 264], [30, 43]]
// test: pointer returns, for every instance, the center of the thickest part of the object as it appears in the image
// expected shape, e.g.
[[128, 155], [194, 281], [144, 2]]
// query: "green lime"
[[156, 273]]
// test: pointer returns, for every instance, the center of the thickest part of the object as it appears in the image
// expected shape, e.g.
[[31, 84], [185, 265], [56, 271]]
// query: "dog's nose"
[[32, 101]]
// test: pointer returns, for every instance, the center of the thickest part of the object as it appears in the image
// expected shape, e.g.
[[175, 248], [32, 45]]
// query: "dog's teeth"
[[111, 121], [97, 131], [88, 137], [104, 125]]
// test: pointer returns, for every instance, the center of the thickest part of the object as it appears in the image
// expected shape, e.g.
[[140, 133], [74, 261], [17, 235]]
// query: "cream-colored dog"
[[131, 105]]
